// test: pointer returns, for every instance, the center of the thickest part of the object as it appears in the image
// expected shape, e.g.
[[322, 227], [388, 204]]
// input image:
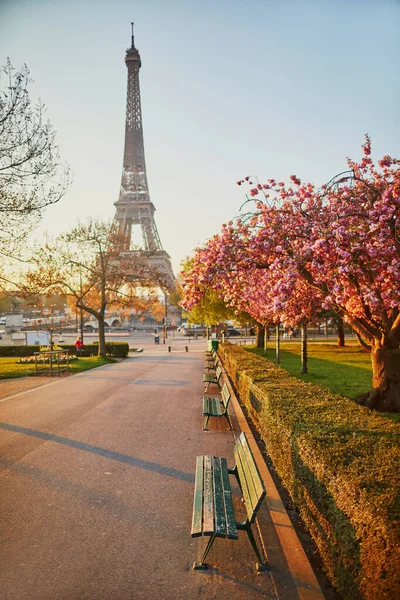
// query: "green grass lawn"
[[10, 367], [346, 371]]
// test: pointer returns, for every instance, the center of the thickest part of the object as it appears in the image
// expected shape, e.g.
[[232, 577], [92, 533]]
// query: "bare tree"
[[31, 173], [89, 265]]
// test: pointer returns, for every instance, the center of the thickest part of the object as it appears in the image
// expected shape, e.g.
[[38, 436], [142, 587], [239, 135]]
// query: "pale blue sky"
[[229, 89]]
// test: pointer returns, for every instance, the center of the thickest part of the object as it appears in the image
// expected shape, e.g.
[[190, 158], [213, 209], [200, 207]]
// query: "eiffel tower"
[[134, 206]]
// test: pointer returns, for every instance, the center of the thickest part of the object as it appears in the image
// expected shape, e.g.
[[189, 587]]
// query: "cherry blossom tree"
[[344, 241], [303, 249]]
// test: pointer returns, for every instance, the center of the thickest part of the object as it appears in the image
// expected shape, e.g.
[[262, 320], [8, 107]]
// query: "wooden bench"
[[215, 378], [213, 511], [217, 407], [211, 353], [211, 365]]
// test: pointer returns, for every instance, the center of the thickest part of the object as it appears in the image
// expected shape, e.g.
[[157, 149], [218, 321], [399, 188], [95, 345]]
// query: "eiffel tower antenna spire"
[[134, 206], [132, 38]]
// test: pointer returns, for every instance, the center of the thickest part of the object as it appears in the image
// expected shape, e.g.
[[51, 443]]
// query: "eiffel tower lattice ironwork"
[[134, 206]]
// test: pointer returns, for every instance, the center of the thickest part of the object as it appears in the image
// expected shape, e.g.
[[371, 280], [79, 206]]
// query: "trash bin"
[[212, 345], [156, 339]]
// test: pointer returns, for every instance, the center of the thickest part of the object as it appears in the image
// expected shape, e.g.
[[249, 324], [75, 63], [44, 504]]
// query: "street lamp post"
[[165, 317], [81, 315], [81, 326]]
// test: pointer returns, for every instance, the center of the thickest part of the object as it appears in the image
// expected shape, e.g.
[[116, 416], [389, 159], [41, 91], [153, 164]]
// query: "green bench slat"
[[219, 509], [217, 410], [208, 495], [231, 530], [252, 467], [250, 480], [226, 395], [197, 519], [254, 477], [212, 407]]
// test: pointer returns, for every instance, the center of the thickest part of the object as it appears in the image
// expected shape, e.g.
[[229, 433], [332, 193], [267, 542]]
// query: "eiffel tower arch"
[[134, 207]]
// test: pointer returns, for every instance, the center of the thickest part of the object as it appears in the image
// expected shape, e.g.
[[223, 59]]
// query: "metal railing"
[[48, 363]]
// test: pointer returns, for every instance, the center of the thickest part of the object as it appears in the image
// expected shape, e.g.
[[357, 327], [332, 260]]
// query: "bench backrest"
[[218, 372], [213, 360], [249, 478], [226, 396]]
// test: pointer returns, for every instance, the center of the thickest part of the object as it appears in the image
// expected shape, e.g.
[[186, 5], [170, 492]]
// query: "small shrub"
[[117, 349]]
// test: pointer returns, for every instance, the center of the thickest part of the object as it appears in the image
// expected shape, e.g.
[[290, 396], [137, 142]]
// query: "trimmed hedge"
[[86, 350], [117, 349], [114, 349], [18, 350], [339, 462]]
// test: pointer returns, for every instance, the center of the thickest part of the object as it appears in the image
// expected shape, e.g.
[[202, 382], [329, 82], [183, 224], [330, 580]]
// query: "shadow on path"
[[124, 458]]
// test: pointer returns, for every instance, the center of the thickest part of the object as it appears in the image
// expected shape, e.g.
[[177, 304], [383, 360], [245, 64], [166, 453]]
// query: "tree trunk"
[[260, 336], [81, 325], [304, 355], [340, 332], [278, 345], [326, 326], [385, 393], [266, 338], [102, 336]]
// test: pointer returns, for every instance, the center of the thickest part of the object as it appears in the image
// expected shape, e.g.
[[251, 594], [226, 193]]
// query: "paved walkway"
[[16, 385], [97, 475]]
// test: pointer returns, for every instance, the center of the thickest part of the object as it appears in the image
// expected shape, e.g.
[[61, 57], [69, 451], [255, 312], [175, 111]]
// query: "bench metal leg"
[[228, 419], [261, 564], [205, 423], [202, 564]]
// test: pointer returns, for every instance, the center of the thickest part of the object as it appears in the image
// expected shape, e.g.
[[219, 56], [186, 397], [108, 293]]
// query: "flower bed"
[[340, 464], [62, 359]]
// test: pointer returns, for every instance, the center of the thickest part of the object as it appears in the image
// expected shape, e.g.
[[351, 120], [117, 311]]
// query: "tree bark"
[[266, 338], [363, 344], [385, 393], [340, 332], [260, 336], [278, 345], [102, 335], [304, 355]]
